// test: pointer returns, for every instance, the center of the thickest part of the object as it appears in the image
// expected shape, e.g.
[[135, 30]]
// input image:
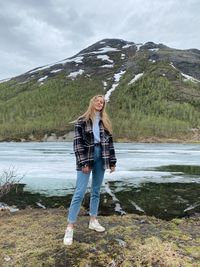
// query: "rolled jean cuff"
[[72, 222], [93, 215]]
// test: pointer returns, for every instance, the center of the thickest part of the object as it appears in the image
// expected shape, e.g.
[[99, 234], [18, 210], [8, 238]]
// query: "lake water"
[[146, 174]]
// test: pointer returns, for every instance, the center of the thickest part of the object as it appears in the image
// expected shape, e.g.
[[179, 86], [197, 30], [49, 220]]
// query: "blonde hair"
[[90, 113]]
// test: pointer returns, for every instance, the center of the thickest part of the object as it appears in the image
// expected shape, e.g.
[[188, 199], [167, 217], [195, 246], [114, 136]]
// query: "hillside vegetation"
[[163, 103], [156, 106]]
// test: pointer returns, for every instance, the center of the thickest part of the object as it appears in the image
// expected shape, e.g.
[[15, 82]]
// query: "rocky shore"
[[53, 137], [34, 237], [68, 137]]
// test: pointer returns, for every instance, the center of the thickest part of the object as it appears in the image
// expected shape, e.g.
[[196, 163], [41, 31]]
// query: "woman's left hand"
[[112, 169], [86, 169]]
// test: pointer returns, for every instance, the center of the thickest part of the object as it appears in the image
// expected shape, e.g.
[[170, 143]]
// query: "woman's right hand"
[[85, 169]]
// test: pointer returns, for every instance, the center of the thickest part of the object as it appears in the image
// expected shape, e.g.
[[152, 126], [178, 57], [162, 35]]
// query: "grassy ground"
[[34, 237]]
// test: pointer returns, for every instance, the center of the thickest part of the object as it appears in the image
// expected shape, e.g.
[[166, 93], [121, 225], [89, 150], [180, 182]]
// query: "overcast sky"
[[35, 33]]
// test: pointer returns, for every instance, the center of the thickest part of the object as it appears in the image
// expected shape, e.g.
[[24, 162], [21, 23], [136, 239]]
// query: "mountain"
[[153, 93]]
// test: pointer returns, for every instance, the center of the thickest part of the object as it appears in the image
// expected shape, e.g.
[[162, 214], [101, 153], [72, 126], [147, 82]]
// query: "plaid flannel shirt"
[[84, 145]]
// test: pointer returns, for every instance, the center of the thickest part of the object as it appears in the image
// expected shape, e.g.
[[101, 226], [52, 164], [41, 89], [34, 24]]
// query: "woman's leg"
[[81, 186], [97, 179]]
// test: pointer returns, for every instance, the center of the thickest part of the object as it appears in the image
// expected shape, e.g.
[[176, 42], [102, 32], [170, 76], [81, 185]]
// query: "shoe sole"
[[67, 244], [100, 231]]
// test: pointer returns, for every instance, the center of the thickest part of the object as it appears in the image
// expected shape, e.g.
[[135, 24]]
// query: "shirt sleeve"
[[113, 159], [79, 148]]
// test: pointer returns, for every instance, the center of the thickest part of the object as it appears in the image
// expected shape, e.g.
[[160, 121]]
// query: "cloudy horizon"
[[36, 33]]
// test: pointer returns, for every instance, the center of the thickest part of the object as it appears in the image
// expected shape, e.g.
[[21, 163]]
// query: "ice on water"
[[49, 167]]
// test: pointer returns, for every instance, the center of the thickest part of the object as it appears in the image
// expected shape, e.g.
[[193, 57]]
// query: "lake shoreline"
[[151, 140], [193, 137], [141, 200]]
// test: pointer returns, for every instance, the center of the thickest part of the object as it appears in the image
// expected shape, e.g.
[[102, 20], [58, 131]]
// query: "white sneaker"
[[95, 225], [68, 238]]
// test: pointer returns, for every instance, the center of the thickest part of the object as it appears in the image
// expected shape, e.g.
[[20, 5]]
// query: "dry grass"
[[9, 179], [34, 237]]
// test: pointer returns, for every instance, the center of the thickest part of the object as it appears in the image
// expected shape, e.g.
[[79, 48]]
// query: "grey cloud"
[[171, 23], [36, 33]]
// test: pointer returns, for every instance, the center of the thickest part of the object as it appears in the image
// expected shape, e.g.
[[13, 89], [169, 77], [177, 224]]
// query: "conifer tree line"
[[154, 105]]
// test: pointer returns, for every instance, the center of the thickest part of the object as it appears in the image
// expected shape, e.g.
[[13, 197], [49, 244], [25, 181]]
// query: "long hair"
[[90, 113]]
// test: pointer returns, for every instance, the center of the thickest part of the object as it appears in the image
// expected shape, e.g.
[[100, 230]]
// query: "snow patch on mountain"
[[128, 45], [189, 78], [138, 46], [117, 77], [77, 59], [105, 57], [74, 74], [41, 68], [104, 84], [137, 76], [5, 80], [106, 49], [43, 78], [54, 71], [107, 66], [154, 49], [23, 82], [103, 50], [171, 64], [186, 76], [152, 60]]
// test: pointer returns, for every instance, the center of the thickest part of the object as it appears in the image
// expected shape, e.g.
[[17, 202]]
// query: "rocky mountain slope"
[[153, 91]]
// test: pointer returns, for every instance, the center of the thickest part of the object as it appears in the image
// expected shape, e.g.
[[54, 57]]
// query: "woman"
[[94, 151]]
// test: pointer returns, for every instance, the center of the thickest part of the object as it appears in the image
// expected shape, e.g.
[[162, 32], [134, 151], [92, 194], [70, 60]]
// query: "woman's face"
[[98, 103]]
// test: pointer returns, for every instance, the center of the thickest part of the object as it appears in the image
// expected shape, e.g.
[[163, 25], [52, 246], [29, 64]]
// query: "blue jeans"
[[81, 186]]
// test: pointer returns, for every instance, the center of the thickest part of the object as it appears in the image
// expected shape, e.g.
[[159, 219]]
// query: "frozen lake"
[[50, 167], [162, 180]]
